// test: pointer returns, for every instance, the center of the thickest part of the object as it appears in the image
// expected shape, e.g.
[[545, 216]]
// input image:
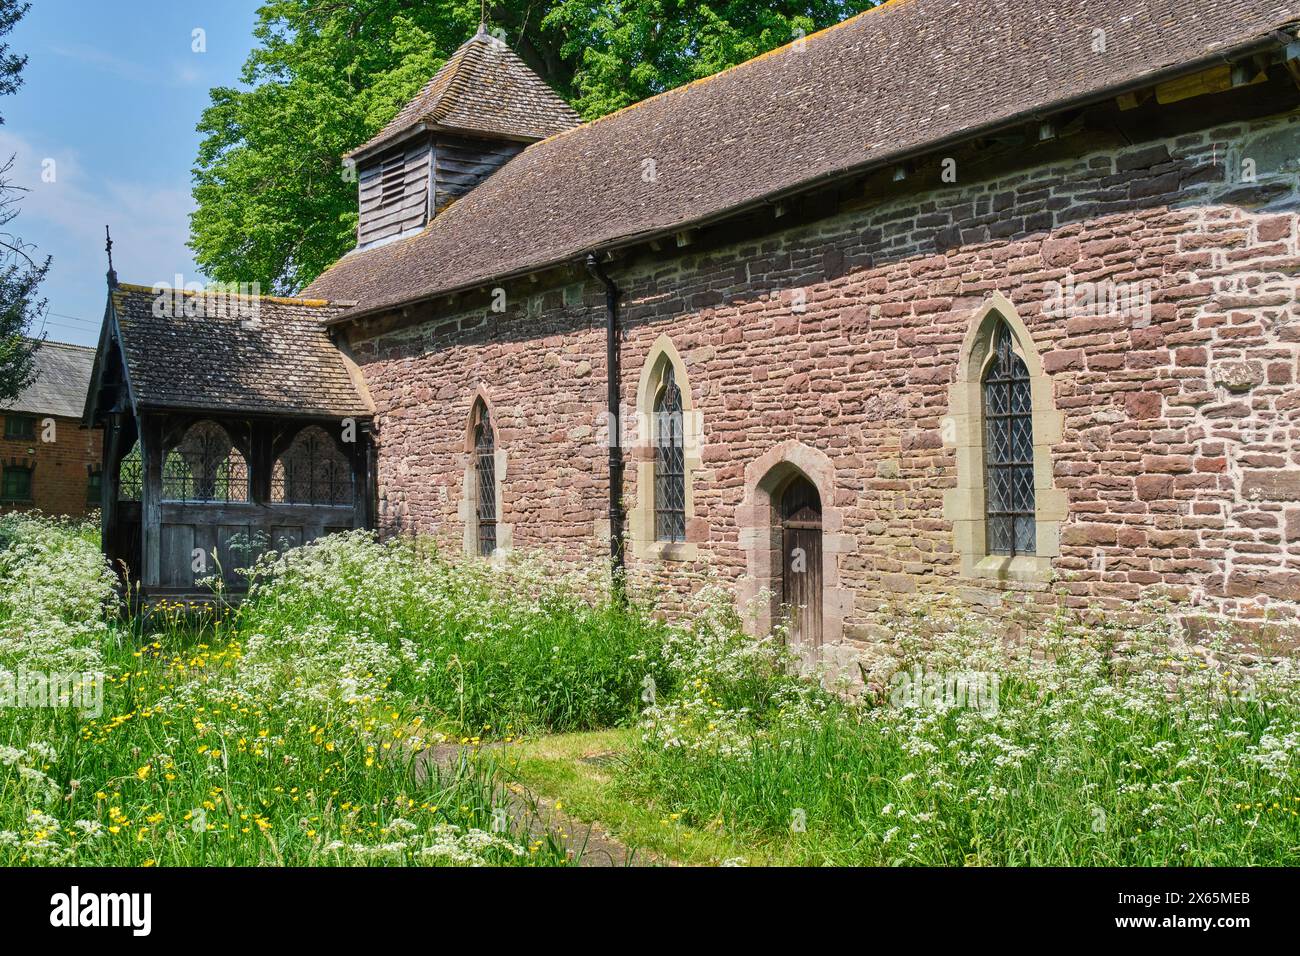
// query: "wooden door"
[[801, 563]]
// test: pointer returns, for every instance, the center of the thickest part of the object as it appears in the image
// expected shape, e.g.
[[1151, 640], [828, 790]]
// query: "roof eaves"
[[1272, 40], [417, 127], [112, 330], [295, 411]]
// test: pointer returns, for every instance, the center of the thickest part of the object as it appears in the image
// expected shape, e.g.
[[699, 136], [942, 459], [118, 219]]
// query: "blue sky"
[[112, 94]]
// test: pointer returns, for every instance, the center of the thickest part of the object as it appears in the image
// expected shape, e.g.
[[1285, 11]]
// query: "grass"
[[294, 730], [1105, 743], [194, 765], [277, 735], [582, 770], [495, 651]]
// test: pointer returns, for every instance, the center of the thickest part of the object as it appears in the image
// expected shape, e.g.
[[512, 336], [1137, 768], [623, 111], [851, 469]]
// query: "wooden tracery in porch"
[[195, 486]]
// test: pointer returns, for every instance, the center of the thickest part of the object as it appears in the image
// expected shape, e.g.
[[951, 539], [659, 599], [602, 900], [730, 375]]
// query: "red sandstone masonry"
[[1181, 440]]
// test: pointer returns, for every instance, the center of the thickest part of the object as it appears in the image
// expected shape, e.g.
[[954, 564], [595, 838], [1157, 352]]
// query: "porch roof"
[[219, 353]]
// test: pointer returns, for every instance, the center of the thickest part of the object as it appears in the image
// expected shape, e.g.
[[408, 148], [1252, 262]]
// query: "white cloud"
[[85, 53], [186, 73], [177, 72], [66, 219]]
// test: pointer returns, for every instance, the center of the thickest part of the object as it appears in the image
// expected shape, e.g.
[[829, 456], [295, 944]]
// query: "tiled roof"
[[62, 377], [485, 89], [235, 354], [887, 83]]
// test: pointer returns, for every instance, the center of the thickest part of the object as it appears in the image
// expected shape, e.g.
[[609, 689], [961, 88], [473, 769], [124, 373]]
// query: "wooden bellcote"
[[480, 109]]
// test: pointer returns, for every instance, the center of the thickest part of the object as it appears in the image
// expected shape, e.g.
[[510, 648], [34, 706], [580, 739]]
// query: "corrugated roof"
[[62, 378], [889, 81], [483, 89], [235, 354]]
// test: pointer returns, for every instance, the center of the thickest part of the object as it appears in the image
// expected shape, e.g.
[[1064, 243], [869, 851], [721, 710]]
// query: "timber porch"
[[261, 451]]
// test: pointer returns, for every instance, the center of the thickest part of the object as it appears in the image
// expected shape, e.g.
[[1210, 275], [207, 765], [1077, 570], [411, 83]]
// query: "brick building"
[[48, 461], [983, 298]]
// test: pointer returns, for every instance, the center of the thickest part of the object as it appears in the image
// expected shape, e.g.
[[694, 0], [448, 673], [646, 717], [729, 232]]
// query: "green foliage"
[[273, 203], [493, 651], [1103, 744], [21, 273], [216, 745], [299, 729], [11, 64], [625, 52]]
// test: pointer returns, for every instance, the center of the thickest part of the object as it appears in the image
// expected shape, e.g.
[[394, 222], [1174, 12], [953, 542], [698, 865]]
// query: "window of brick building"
[[1002, 425], [662, 520], [94, 484], [16, 483], [482, 507], [20, 426]]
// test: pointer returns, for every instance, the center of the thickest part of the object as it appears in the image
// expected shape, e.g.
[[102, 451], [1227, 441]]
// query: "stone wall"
[[1178, 454]]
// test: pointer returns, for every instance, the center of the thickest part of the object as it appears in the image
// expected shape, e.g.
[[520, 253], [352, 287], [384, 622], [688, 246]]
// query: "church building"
[[975, 297]]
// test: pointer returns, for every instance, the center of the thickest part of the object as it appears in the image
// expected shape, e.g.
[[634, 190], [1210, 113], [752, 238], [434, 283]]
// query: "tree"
[[20, 274], [625, 52], [275, 205]]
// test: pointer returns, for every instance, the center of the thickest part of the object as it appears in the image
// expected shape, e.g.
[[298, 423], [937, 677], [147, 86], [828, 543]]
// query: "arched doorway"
[[801, 561]]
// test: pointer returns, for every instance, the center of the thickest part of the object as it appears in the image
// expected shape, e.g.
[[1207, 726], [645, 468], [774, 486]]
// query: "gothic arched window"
[[313, 471], [485, 480], [1008, 449], [205, 466], [670, 460]]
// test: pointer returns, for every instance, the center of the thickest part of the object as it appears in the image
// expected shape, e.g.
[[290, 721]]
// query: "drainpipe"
[[617, 518]]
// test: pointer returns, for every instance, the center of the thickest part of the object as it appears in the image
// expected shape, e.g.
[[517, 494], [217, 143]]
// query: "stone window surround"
[[641, 518], [758, 518], [963, 430], [468, 510]]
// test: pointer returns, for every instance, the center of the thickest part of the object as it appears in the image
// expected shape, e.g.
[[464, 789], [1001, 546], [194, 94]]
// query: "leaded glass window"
[[485, 475], [312, 471], [130, 476], [205, 466], [670, 461], [1008, 450]]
